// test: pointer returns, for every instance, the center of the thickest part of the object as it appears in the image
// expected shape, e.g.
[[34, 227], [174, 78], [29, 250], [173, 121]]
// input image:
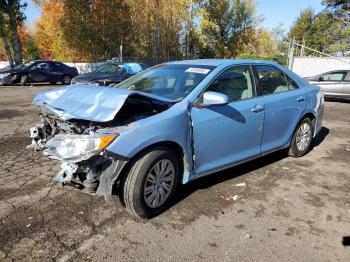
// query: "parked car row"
[[40, 71], [334, 84]]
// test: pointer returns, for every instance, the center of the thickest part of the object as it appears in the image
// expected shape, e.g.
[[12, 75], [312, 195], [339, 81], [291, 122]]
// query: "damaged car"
[[174, 123], [38, 71]]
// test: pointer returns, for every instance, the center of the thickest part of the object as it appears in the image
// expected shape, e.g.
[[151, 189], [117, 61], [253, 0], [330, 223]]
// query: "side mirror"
[[211, 98], [320, 79]]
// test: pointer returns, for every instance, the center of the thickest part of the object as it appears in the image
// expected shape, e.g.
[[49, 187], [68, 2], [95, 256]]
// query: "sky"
[[274, 12], [284, 12]]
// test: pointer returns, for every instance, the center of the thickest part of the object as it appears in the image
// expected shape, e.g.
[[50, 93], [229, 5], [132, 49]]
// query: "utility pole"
[[302, 51], [291, 55], [121, 51]]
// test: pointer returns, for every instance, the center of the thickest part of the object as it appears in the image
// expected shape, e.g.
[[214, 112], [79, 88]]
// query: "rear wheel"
[[151, 183], [24, 80], [66, 80], [302, 138]]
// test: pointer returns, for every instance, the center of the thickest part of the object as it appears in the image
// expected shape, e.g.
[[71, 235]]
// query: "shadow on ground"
[[186, 190]]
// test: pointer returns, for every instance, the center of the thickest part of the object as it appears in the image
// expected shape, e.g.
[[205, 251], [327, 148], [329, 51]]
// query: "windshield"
[[172, 81], [24, 65]]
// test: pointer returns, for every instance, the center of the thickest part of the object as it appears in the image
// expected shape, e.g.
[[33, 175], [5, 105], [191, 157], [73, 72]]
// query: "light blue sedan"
[[174, 123]]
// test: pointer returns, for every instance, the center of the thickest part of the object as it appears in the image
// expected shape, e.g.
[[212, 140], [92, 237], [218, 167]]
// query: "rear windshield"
[[132, 68]]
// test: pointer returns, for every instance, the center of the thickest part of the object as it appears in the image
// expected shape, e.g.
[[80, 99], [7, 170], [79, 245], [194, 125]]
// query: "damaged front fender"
[[78, 123]]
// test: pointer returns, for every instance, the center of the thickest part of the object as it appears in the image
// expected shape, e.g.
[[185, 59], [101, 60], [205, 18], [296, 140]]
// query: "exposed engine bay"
[[135, 108], [80, 144]]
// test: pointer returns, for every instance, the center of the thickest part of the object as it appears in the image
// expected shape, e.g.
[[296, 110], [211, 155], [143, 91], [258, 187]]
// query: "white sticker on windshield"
[[197, 70]]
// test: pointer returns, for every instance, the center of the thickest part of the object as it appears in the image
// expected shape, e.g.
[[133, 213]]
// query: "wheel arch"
[[178, 150], [309, 115]]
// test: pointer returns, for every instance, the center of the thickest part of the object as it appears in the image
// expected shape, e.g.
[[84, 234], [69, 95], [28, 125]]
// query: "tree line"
[[93, 30]]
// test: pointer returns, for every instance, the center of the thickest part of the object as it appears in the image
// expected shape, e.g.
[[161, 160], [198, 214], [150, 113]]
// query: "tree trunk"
[[16, 43], [7, 50]]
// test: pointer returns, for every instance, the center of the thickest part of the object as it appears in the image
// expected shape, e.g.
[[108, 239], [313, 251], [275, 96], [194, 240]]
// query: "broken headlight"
[[77, 147]]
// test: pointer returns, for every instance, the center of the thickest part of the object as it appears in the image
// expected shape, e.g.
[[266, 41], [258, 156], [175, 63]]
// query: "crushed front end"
[[80, 146], [78, 123]]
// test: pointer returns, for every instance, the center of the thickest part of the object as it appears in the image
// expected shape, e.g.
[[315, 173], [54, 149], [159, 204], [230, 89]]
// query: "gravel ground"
[[290, 209]]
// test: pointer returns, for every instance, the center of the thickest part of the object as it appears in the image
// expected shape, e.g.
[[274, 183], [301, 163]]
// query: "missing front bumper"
[[95, 179]]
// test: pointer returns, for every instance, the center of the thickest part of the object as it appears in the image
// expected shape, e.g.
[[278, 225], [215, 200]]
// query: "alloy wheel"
[[159, 183], [303, 137]]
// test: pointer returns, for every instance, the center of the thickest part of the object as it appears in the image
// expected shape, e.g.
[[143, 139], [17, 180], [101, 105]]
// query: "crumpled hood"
[[87, 102], [10, 70]]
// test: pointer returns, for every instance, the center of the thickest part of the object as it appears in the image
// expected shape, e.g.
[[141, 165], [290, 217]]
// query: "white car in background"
[[335, 84]]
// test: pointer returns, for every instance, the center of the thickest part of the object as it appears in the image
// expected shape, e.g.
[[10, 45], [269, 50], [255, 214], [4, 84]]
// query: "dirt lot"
[[290, 210]]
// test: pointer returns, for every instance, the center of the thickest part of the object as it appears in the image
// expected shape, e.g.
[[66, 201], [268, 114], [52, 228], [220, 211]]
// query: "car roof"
[[219, 62], [333, 71], [44, 61], [120, 63]]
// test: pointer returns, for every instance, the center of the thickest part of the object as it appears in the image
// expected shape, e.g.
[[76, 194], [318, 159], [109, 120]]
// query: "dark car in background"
[[334, 84], [38, 71], [110, 73]]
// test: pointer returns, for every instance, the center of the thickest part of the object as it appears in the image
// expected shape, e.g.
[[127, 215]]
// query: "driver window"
[[236, 83]]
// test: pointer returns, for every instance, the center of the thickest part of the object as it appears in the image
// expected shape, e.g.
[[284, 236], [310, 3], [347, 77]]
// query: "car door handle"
[[257, 109], [301, 98]]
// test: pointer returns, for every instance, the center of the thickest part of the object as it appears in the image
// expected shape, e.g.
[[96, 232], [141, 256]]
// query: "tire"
[[137, 188], [302, 138], [24, 80], [67, 79]]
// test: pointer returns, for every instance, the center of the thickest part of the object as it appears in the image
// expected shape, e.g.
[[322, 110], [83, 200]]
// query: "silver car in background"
[[334, 84]]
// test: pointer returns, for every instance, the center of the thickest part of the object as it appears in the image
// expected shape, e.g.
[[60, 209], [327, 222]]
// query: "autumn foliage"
[[94, 30]]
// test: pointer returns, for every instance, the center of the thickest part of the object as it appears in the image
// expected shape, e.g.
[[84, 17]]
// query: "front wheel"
[[151, 183], [24, 80], [302, 138]]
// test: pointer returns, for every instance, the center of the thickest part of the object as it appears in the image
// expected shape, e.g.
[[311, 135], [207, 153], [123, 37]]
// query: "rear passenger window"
[[335, 76], [291, 83], [273, 80], [237, 83]]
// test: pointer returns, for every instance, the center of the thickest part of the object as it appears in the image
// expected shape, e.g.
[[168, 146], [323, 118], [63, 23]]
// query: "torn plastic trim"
[[111, 172], [109, 153], [96, 175]]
